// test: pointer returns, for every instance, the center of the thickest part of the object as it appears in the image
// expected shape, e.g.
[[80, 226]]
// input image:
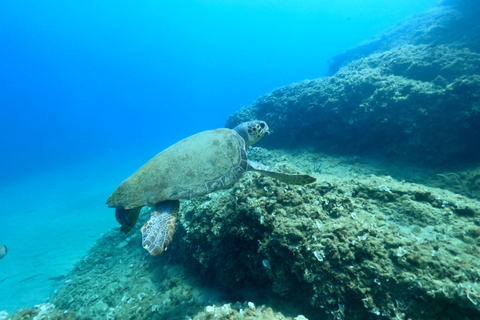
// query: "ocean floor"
[[49, 221], [61, 246]]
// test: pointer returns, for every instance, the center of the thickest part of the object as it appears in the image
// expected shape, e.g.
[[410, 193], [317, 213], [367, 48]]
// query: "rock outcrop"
[[411, 94]]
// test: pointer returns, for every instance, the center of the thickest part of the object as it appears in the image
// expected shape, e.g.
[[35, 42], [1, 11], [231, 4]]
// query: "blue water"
[[89, 90]]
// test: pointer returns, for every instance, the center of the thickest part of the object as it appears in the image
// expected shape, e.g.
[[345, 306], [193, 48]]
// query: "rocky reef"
[[358, 244], [353, 245], [411, 94], [452, 23]]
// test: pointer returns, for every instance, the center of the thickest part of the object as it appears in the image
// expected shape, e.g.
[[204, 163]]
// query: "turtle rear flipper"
[[158, 231], [297, 179]]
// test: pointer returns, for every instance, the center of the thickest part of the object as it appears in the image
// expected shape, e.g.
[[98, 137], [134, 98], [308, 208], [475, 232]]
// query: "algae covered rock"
[[411, 95], [42, 311], [354, 246], [451, 22]]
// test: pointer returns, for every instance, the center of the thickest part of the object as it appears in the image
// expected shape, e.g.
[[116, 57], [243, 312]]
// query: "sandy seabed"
[[49, 221]]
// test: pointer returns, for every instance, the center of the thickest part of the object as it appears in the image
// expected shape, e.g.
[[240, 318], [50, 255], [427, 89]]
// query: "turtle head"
[[252, 131]]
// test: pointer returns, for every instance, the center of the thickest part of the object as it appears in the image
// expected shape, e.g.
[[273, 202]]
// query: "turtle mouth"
[[265, 128]]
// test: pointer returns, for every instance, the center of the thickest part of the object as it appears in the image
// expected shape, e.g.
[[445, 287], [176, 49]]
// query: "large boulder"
[[412, 94]]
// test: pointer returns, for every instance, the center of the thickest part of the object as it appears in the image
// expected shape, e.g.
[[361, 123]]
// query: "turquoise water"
[[91, 90]]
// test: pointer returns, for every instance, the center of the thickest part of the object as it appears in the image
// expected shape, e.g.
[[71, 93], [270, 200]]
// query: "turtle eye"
[[262, 125]]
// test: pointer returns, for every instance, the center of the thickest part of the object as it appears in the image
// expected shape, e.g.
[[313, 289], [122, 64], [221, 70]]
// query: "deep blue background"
[[79, 79]]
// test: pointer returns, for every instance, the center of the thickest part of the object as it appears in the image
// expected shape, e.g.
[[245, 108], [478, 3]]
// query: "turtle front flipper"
[[298, 179], [127, 218], [158, 231]]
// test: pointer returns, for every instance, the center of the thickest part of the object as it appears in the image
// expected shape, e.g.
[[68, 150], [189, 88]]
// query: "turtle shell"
[[195, 166]]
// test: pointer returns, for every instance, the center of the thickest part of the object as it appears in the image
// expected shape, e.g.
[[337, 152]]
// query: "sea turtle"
[[200, 164]]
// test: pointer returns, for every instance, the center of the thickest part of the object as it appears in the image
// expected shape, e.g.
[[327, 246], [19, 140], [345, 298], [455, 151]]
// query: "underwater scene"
[[227, 159]]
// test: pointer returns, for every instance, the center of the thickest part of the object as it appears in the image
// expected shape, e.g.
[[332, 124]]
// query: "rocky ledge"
[[411, 94]]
